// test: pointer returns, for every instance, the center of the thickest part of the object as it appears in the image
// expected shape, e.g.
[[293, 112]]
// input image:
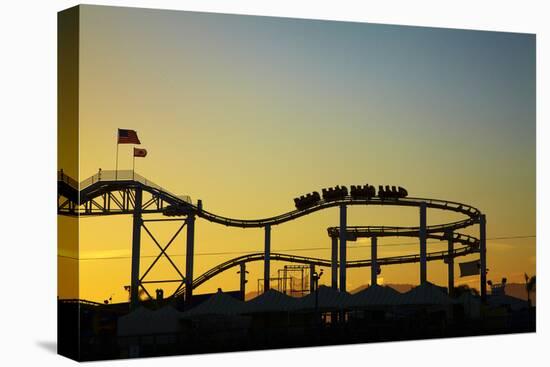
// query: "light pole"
[[316, 277], [243, 279]]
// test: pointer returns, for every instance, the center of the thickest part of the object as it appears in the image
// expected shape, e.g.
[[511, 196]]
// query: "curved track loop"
[[392, 231], [467, 210], [471, 245]]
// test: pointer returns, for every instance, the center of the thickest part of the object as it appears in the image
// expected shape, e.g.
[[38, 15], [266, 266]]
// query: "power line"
[[510, 238], [288, 249]]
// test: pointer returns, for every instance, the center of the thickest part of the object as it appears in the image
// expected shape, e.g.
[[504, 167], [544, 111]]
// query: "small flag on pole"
[[126, 136], [140, 152], [470, 268]]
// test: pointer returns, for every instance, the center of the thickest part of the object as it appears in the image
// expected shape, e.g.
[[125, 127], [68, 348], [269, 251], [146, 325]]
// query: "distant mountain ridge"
[[512, 289], [401, 288], [516, 290]]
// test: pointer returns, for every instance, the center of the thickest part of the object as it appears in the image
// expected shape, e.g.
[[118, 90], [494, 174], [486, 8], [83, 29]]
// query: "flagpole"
[[116, 165]]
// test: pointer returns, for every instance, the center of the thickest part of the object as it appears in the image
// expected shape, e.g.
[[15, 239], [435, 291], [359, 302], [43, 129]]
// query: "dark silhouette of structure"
[[326, 316], [119, 193]]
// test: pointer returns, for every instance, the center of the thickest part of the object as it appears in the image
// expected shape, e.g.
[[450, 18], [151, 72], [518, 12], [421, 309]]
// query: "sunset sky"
[[247, 113]]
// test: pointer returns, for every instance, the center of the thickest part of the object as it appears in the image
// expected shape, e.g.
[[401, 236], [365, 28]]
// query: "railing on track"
[[110, 176], [62, 177], [121, 175]]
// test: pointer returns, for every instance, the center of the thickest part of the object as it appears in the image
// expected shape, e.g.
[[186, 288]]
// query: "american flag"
[[126, 136]]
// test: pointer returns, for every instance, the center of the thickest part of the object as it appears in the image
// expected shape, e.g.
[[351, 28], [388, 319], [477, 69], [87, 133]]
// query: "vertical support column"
[[243, 279], [136, 248], [334, 262], [343, 226], [189, 257], [374, 261], [285, 276], [422, 236], [482, 258], [311, 279], [451, 263], [267, 257]]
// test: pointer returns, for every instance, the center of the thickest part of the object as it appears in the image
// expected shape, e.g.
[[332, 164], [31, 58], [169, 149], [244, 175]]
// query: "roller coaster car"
[[391, 192], [335, 193], [381, 193], [307, 201], [372, 191], [175, 210], [362, 192]]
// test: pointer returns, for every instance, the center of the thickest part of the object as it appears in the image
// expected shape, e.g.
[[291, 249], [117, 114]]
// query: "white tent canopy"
[[271, 301], [471, 304], [218, 304], [426, 294], [328, 298], [376, 295], [514, 303], [143, 321]]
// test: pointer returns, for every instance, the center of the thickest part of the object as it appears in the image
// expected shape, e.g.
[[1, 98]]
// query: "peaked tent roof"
[[426, 294], [271, 301], [376, 295], [506, 300], [143, 321], [218, 304], [328, 298], [468, 297]]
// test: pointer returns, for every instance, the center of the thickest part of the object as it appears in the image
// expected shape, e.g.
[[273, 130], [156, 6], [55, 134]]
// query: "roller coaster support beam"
[[423, 236], [374, 262], [267, 257], [189, 257], [311, 278], [483, 257], [242, 273], [136, 247], [451, 263], [334, 262], [343, 225]]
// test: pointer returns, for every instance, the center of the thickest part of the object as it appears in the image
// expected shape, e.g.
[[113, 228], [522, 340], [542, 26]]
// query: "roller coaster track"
[[109, 193], [354, 232], [470, 246], [471, 212], [95, 198]]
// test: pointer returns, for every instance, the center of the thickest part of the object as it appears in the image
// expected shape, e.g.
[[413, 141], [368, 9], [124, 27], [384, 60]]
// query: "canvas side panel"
[[67, 165]]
